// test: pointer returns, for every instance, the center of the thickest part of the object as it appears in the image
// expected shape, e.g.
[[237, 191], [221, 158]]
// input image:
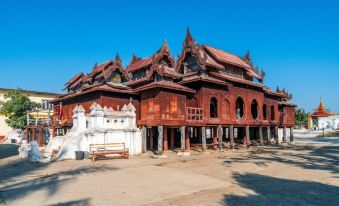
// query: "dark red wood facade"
[[205, 87]]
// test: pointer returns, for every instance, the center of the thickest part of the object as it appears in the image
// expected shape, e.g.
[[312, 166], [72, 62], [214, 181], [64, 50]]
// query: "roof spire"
[[188, 37], [95, 65], [247, 58], [117, 58], [134, 59], [164, 47]]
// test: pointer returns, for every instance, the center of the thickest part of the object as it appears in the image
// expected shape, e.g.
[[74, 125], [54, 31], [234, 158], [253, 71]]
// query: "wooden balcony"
[[194, 114]]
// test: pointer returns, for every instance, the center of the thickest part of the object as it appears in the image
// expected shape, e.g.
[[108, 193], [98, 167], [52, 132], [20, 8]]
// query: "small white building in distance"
[[322, 119]]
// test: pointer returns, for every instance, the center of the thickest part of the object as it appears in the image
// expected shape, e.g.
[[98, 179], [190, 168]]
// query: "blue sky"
[[44, 43]]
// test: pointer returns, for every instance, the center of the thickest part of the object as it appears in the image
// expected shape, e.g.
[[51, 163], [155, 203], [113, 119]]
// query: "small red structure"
[[205, 97]]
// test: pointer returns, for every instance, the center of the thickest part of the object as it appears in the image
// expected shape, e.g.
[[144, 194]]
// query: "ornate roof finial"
[[188, 37], [247, 58], [134, 59], [164, 47], [117, 61], [95, 65], [117, 58]]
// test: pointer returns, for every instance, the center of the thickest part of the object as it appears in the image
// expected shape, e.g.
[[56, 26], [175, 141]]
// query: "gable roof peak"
[[117, 58], [134, 59], [189, 39]]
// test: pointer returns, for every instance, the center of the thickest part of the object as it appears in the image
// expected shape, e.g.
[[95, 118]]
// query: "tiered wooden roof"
[[214, 61]]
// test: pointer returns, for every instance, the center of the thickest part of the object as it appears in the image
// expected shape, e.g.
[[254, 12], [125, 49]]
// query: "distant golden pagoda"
[[319, 112]]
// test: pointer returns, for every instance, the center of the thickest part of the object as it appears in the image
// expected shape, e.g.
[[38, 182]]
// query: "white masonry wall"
[[100, 126]]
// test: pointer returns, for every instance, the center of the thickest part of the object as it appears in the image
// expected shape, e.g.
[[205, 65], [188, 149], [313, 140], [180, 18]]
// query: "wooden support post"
[[199, 135], [40, 137], [165, 139], [187, 140], [291, 134], [144, 139], [226, 132], [269, 135], [231, 130], [284, 134], [261, 136], [160, 139], [203, 138], [247, 135], [220, 132], [172, 138], [151, 138], [34, 133], [215, 137], [276, 131], [182, 137]]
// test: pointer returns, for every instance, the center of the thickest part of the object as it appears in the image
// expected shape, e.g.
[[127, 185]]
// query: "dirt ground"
[[303, 173]]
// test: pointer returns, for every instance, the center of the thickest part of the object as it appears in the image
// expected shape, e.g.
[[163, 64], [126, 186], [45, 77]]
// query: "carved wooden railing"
[[194, 113]]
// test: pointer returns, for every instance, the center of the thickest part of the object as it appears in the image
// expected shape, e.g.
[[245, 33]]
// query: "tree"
[[300, 118], [16, 107]]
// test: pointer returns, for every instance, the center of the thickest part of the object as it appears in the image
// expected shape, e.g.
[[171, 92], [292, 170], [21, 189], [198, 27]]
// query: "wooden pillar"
[[261, 136], [269, 135], [291, 134], [284, 134], [231, 130], [215, 137], [34, 133], [276, 131], [247, 135], [220, 133], [199, 135], [187, 140], [203, 138], [160, 139], [182, 138], [40, 137], [165, 139], [151, 138], [172, 138], [144, 138], [226, 132]]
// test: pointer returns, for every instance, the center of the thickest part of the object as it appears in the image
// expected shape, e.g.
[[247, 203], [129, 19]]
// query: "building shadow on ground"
[[8, 150], [19, 178], [81, 202], [266, 190], [312, 157]]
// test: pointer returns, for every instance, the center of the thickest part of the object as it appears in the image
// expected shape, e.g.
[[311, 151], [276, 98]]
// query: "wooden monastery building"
[[206, 97]]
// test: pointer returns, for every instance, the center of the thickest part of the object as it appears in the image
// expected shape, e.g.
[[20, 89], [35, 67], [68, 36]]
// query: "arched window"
[[272, 113], [264, 111], [254, 109], [213, 108], [240, 108]]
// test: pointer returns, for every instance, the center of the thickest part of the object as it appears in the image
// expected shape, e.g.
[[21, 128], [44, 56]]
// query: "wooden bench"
[[101, 150]]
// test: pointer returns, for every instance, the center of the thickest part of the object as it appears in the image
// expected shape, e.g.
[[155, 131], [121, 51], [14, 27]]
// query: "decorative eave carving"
[[156, 66], [191, 46], [262, 76], [284, 92], [163, 51]]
